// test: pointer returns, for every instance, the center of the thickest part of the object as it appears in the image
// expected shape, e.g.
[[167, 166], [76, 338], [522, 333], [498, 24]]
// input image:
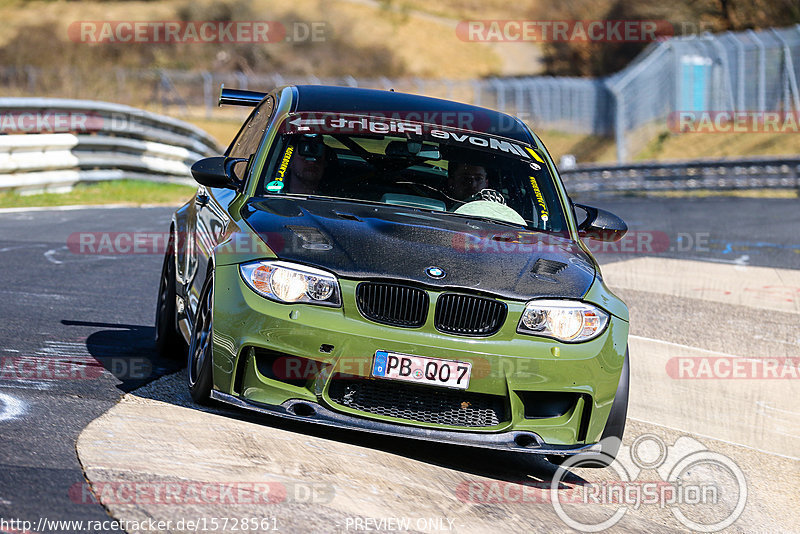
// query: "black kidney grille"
[[468, 315], [419, 403], [392, 304]]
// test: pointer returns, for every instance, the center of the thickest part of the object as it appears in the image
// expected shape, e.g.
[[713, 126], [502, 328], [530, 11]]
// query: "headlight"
[[289, 282], [564, 320]]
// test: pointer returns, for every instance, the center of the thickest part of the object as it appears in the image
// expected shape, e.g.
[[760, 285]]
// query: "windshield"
[[415, 166]]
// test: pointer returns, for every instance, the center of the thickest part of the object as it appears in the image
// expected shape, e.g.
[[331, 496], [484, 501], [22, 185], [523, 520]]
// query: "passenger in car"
[[465, 180]]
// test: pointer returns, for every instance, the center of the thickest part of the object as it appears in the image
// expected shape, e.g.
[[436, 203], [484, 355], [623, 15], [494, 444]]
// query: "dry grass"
[[738, 193], [425, 46], [667, 146], [126, 192], [704, 145], [222, 131], [585, 148], [470, 9], [361, 36]]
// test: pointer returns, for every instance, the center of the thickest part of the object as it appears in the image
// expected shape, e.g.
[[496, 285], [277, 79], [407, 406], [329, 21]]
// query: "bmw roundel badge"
[[435, 272]]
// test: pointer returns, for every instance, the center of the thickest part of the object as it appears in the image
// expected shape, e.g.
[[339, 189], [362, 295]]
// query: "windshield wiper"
[[493, 220], [345, 199], [385, 205]]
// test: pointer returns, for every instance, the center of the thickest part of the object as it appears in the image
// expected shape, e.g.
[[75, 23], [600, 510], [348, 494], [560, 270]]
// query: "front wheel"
[[199, 364], [169, 342]]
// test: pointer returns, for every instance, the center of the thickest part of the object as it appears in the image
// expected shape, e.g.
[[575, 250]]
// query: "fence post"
[[762, 71], [476, 92], [30, 71], [241, 79], [619, 125], [500, 94], [740, 105], [119, 74], [519, 100], [788, 66], [723, 61], [208, 92]]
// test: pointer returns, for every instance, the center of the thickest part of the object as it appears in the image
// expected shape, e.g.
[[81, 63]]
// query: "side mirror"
[[601, 225], [217, 171]]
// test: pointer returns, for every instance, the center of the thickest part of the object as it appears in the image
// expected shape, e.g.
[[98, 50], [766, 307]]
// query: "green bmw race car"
[[400, 265]]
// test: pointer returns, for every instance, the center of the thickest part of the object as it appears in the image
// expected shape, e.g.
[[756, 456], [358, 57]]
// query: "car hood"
[[369, 241]]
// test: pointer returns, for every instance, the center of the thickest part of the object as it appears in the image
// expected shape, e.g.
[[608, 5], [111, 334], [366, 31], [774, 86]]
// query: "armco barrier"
[[718, 174], [52, 144]]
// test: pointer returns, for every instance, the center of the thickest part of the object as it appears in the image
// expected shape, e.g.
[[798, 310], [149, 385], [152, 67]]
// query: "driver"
[[465, 180], [307, 167]]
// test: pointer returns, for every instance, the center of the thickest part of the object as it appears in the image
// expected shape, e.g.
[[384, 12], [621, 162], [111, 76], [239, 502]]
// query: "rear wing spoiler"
[[240, 97]]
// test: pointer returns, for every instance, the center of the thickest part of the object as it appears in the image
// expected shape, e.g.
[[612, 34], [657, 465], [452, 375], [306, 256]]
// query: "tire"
[[169, 342], [615, 427], [200, 349], [556, 460]]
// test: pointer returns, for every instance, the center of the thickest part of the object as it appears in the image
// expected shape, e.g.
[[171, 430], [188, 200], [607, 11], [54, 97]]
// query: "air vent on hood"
[[543, 266], [347, 216], [311, 237]]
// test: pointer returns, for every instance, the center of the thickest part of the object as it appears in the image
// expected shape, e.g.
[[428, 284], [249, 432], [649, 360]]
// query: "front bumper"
[[506, 365], [512, 441]]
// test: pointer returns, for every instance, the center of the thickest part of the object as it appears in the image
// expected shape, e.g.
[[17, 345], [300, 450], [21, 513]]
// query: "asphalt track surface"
[[93, 315]]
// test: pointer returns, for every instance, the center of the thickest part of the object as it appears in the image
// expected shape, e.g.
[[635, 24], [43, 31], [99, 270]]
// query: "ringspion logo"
[[705, 491]]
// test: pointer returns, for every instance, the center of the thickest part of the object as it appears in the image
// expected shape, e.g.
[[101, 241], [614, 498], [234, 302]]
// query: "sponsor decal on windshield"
[[544, 214], [276, 185], [535, 156], [353, 125], [481, 141], [329, 123]]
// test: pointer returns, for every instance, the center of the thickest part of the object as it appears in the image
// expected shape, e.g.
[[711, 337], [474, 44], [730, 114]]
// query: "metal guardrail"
[[70, 141], [714, 174]]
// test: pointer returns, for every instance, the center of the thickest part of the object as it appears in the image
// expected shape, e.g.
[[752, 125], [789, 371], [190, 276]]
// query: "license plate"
[[421, 370]]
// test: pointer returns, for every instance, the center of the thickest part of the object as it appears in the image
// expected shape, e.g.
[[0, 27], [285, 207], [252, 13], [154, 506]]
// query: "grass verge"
[[126, 192], [705, 193]]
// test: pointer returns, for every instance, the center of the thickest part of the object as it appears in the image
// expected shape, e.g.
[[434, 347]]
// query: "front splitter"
[[515, 441]]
